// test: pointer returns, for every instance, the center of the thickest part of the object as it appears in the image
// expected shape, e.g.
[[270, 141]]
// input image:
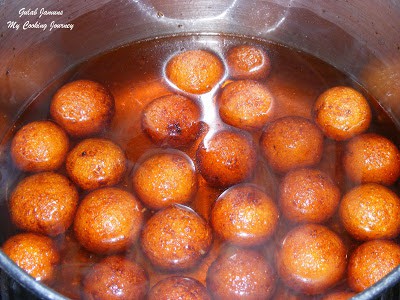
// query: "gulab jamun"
[[245, 104], [115, 277], [195, 71], [248, 62], [165, 178], [176, 238], [370, 262], [177, 288], [342, 112], [39, 146], [95, 163], [82, 108], [291, 142], [35, 254], [371, 211], [308, 196], [244, 215], [311, 259], [172, 120], [371, 157], [241, 274], [343, 295], [108, 220], [226, 157], [44, 203]]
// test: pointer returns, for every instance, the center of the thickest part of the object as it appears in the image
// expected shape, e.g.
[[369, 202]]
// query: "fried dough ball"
[[370, 262], [176, 238], [108, 220], [372, 158], [195, 71], [95, 163], [165, 178], [308, 196], [39, 146], [248, 62], [172, 120], [226, 158], [115, 277], [244, 215], [241, 274], [339, 296], [371, 211], [178, 288], [311, 259], [245, 104], [82, 108], [291, 142], [44, 203], [35, 254], [341, 113]]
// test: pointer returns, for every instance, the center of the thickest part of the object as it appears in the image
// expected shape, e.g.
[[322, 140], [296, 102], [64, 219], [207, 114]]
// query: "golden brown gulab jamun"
[[371, 211], [115, 277], [35, 254], [311, 259], [108, 220], [343, 295], [178, 288], [176, 238], [241, 274], [165, 178], [172, 120], [95, 163], [371, 157], [342, 112], [291, 142], [248, 62], [82, 108], [227, 157], [39, 146], [244, 215], [370, 262], [44, 203], [245, 104], [195, 71], [308, 196]]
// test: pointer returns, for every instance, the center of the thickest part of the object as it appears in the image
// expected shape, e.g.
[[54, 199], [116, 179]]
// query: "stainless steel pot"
[[360, 38]]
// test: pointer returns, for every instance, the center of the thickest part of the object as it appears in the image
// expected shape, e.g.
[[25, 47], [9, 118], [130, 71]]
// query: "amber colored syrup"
[[134, 74]]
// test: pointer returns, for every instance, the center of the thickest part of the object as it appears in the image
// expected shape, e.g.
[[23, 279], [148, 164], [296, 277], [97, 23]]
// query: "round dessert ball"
[[108, 220], [39, 146], [343, 295], [371, 211], [44, 203], [241, 274], [35, 254], [176, 238], [245, 104], [341, 113], [227, 157], [371, 157], [177, 288], [308, 196], [291, 142], [172, 120], [195, 71], [165, 178], [115, 277], [311, 259], [370, 262], [244, 215], [82, 108], [95, 163], [248, 62]]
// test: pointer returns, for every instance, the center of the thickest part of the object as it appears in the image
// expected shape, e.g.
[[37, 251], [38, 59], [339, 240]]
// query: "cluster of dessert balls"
[[74, 174]]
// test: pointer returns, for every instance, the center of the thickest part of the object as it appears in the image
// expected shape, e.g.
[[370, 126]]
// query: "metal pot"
[[360, 38]]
